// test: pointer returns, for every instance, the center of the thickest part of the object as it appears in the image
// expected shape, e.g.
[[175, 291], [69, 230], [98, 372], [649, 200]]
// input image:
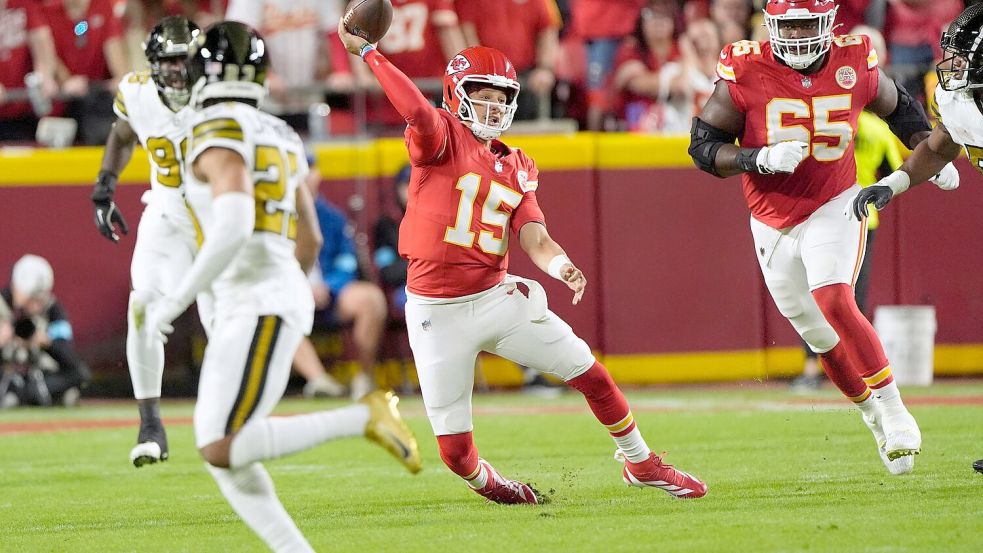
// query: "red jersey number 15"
[[491, 215]]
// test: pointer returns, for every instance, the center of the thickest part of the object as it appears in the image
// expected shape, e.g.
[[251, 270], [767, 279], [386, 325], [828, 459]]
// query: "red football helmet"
[[800, 52], [487, 66]]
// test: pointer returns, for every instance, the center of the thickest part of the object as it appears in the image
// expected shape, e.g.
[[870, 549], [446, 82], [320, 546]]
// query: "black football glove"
[[106, 213], [878, 195]]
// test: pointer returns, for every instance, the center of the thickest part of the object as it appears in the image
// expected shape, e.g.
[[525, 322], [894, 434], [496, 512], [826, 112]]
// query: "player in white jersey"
[[151, 109], [959, 97], [255, 217]]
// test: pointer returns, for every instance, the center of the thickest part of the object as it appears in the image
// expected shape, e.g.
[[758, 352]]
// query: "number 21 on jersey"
[[491, 214], [271, 191], [821, 111]]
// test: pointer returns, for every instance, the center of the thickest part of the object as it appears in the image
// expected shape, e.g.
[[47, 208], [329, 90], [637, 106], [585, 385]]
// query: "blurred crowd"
[[639, 65]]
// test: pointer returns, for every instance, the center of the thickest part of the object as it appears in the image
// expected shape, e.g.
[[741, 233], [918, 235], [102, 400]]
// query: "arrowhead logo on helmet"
[[490, 68], [458, 64]]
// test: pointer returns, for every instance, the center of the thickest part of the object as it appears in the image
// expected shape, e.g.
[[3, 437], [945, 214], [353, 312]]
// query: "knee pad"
[[788, 302], [821, 339]]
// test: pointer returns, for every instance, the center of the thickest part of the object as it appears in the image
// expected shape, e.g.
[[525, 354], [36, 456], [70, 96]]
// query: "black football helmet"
[[962, 63], [166, 49], [227, 61]]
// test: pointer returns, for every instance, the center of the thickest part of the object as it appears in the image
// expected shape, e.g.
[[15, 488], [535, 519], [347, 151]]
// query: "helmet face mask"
[[476, 69], [961, 67], [488, 118], [170, 75], [800, 31], [166, 49], [228, 62], [953, 71]]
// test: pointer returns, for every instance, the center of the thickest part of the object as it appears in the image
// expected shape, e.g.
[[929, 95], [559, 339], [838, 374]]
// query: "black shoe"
[[151, 444], [978, 466]]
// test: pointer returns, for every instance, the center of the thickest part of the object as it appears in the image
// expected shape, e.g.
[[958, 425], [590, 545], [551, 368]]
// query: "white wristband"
[[556, 264], [898, 182]]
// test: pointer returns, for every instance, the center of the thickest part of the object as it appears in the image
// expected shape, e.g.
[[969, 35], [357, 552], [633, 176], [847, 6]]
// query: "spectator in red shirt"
[[423, 35], [602, 24], [527, 31], [637, 79], [25, 46], [89, 44]]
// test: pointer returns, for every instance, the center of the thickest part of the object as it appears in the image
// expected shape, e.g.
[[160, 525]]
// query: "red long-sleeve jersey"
[[464, 198]]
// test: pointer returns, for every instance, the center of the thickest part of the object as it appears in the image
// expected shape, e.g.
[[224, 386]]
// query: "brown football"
[[369, 19]]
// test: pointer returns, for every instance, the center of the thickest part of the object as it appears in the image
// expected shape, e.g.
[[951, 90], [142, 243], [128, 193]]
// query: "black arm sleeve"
[[908, 118], [705, 140]]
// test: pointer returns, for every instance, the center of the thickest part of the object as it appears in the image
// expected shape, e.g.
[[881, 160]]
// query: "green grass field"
[[786, 473]]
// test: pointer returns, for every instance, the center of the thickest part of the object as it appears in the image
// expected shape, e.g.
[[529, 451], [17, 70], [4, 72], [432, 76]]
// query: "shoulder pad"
[[736, 54], [857, 45], [216, 127]]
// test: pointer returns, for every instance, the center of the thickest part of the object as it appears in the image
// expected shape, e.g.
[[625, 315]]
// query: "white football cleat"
[[897, 466], [151, 444], [901, 435], [146, 453]]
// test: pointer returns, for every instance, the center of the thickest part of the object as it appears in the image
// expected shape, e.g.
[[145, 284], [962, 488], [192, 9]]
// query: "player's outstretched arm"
[[422, 118], [551, 259], [712, 142], [929, 158], [309, 238], [233, 220], [118, 151]]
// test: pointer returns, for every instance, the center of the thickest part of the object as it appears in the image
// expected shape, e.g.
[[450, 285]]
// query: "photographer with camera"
[[38, 363]]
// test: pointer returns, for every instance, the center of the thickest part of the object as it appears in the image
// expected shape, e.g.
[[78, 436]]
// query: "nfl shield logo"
[[806, 82], [426, 325]]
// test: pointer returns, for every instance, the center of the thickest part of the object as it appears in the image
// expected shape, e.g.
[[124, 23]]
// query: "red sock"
[[863, 350], [842, 375], [877, 379], [605, 399], [459, 454]]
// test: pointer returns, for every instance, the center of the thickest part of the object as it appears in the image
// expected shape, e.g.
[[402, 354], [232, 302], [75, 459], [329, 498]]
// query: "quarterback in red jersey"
[[794, 102], [468, 194]]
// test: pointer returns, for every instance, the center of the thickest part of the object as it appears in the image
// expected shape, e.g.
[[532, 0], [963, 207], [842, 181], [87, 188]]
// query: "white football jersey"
[[265, 277], [162, 134], [964, 121]]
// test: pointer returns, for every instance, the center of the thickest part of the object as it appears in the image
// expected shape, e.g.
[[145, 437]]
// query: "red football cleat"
[[505, 491], [653, 473]]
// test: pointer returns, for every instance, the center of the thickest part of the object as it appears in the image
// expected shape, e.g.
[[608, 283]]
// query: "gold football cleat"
[[386, 428]]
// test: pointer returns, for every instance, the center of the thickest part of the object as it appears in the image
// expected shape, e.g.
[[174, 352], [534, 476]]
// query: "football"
[[369, 19]]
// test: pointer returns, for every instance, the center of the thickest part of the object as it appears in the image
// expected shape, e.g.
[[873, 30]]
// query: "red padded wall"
[[677, 263]]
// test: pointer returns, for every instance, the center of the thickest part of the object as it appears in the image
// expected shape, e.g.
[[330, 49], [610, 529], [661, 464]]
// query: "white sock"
[[249, 490], [868, 407], [144, 354], [273, 437], [480, 479], [889, 398], [633, 446]]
